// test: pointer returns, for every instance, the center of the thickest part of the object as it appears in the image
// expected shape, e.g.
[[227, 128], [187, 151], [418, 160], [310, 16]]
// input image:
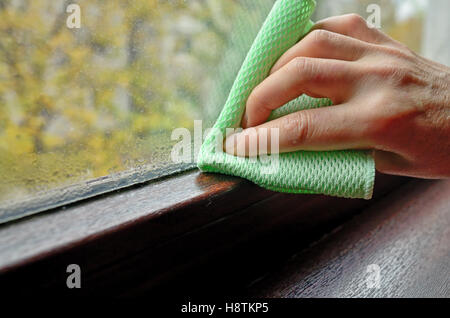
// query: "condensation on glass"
[[87, 110]]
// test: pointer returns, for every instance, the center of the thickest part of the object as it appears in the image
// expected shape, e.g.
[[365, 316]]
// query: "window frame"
[[159, 220]]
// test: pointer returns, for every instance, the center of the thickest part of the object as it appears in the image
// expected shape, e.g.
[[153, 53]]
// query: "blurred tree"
[[82, 103]]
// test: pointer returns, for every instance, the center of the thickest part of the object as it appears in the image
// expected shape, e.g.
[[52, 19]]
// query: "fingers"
[[354, 26], [326, 45], [330, 128], [315, 77]]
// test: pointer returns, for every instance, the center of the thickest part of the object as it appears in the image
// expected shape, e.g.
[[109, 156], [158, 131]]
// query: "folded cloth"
[[348, 173]]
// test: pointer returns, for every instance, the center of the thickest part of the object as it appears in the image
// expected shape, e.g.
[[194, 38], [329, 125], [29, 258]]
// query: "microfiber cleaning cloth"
[[348, 173]]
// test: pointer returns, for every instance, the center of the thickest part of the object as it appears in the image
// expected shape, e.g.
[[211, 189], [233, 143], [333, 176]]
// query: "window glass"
[[90, 90], [89, 94]]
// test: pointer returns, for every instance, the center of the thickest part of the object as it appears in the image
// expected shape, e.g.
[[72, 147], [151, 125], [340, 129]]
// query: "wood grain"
[[145, 238], [407, 234]]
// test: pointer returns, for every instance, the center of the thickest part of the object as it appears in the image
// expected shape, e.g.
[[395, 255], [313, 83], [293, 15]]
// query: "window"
[[88, 108], [401, 19]]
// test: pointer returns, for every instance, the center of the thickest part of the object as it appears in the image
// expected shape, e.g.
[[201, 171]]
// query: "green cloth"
[[346, 173]]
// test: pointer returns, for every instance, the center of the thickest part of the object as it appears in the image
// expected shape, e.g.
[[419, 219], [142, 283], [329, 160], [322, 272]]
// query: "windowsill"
[[78, 191], [403, 235], [168, 225]]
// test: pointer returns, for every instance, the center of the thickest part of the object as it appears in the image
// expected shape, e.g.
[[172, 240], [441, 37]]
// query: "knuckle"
[[354, 20], [297, 127], [320, 37], [301, 65]]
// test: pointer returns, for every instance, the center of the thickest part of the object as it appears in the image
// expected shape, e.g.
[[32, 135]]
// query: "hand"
[[386, 97]]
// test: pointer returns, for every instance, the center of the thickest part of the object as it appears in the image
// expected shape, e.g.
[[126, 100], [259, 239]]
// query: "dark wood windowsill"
[[406, 234], [138, 239]]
